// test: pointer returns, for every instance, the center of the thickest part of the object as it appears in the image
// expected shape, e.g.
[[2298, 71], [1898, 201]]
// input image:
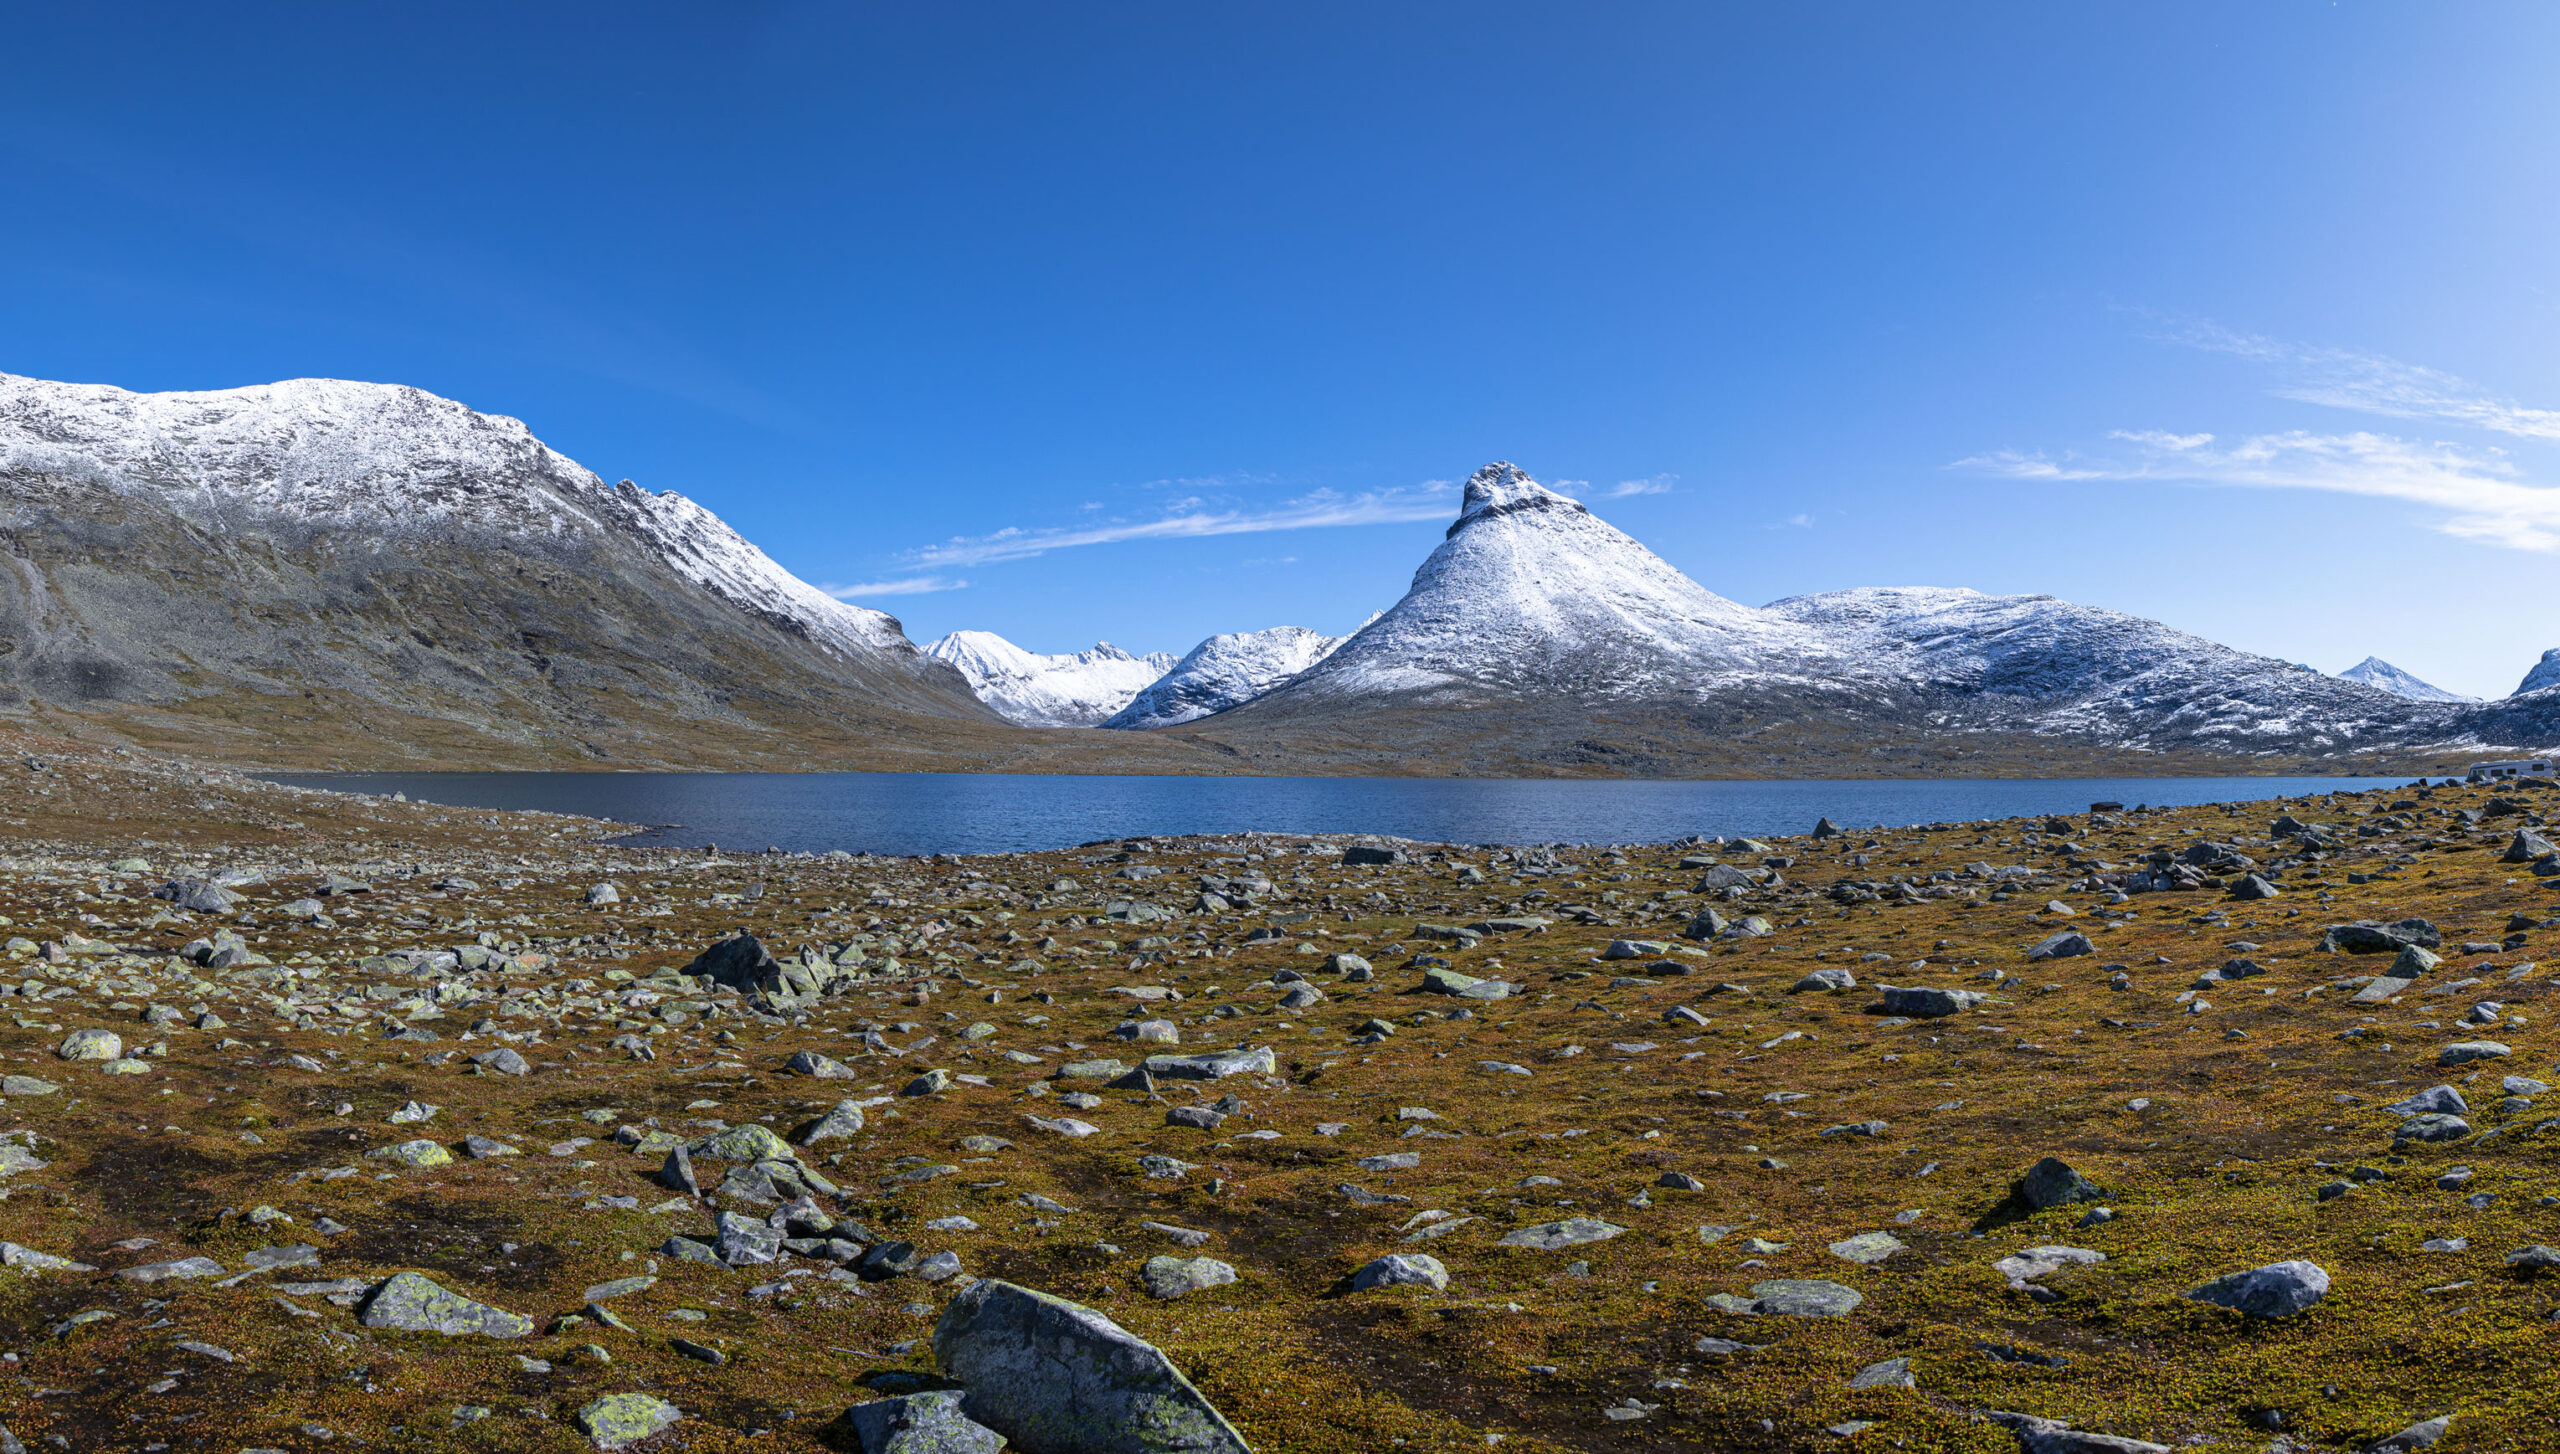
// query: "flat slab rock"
[[1554, 1236], [1212, 1065], [1805, 1298], [1059, 1377]]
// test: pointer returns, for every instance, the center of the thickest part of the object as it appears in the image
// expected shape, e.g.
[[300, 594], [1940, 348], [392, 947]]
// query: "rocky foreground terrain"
[[347, 1123]]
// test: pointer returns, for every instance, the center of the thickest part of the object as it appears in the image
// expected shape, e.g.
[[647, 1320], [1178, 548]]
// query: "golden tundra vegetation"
[[370, 1037]]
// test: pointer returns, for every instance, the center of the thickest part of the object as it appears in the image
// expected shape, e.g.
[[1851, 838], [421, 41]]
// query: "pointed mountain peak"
[[2373, 671], [1503, 488], [2545, 673]]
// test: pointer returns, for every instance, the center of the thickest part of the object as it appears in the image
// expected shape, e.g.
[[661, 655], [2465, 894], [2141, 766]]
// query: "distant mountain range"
[[1036, 690], [1539, 631], [320, 573]]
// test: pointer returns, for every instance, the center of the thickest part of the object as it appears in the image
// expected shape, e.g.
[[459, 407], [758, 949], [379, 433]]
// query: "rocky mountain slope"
[[2373, 671], [1037, 689], [1538, 632], [319, 571], [1225, 671]]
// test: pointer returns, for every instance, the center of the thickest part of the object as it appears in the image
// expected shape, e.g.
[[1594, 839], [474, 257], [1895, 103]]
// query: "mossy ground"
[[2217, 1172]]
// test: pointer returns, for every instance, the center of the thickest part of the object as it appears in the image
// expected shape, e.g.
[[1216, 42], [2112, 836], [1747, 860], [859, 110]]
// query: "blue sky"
[[2241, 317]]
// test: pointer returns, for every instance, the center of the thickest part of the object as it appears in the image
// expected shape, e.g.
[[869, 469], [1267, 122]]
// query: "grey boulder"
[[2052, 1183], [1571, 1232], [1400, 1270], [410, 1302], [1805, 1298], [1927, 1002], [1059, 1377], [2277, 1290], [1212, 1065], [1172, 1277], [920, 1423], [2069, 944]]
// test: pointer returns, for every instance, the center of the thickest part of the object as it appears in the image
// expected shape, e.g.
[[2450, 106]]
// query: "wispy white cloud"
[[911, 586], [2370, 383], [2482, 493], [1427, 501], [2484, 496], [1794, 522], [1650, 485]]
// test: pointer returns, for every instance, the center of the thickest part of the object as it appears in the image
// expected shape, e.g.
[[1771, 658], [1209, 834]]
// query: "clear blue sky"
[[1817, 295]]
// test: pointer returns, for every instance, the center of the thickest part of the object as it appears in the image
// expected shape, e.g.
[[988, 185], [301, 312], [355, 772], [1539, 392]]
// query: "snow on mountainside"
[[2373, 671], [1037, 690], [1532, 593], [2545, 673], [391, 460], [1225, 671], [1533, 604]]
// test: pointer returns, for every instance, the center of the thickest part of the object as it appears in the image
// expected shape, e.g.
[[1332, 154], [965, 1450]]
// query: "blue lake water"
[[915, 813]]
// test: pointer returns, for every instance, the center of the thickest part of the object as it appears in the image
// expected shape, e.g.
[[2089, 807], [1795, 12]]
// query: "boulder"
[[1804, 1298], [1554, 1236], [618, 1420], [412, 1303], [1213, 1064], [2069, 944], [920, 1423], [845, 1120], [1404, 1269], [92, 1045], [1834, 978], [1927, 1002], [2526, 847], [2440, 1100], [2051, 1183], [1058, 1377], [2367, 937], [1172, 1277], [2464, 1052], [2277, 1290]]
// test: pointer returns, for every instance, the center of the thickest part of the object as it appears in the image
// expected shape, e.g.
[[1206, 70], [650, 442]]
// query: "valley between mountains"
[[339, 1122], [319, 573]]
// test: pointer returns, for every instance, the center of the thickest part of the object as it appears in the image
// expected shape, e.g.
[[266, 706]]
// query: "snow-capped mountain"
[[1225, 671], [385, 561], [1531, 593], [2545, 674], [1034, 689], [1535, 623], [2373, 671]]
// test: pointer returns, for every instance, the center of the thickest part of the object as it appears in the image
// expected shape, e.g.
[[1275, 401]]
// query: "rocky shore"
[[341, 1122]]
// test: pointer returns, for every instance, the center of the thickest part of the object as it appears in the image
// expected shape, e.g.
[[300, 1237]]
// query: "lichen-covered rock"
[[750, 1142], [621, 1419], [92, 1045], [920, 1423], [420, 1152], [1172, 1277], [411, 1302], [1060, 1378]]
